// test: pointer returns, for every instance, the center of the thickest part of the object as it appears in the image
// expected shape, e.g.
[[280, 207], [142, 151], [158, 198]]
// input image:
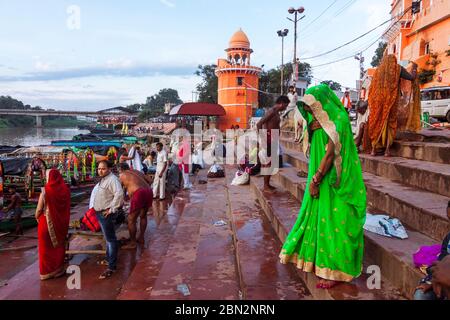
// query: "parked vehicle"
[[436, 101]]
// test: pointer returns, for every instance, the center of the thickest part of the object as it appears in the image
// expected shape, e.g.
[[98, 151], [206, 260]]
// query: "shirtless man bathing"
[[271, 121], [141, 198]]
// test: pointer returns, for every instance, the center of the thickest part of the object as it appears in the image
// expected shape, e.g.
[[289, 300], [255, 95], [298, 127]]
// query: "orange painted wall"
[[432, 26]]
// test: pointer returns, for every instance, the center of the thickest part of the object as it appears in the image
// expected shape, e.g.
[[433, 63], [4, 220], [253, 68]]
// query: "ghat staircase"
[[413, 185]]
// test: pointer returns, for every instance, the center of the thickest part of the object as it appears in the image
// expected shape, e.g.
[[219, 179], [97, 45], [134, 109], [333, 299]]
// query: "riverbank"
[[48, 123], [31, 136]]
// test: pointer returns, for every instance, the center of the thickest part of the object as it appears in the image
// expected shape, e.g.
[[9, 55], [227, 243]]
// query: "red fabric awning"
[[198, 109]]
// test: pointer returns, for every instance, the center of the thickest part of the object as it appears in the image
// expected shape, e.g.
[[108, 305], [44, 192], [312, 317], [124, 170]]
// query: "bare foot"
[[130, 246], [326, 284], [387, 154], [141, 241]]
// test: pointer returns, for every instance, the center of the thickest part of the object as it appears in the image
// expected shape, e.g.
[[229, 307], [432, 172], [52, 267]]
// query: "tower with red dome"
[[238, 83]]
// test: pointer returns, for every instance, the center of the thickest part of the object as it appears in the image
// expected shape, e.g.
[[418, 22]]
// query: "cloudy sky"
[[94, 54]]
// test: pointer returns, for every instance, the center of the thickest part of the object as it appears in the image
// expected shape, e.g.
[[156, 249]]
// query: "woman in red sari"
[[53, 216]]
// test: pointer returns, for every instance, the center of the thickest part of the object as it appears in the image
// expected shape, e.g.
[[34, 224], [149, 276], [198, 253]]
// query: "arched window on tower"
[[237, 58], [244, 59]]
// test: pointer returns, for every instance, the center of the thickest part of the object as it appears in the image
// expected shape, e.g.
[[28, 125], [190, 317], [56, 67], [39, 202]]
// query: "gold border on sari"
[[53, 274], [50, 226], [324, 273], [330, 129]]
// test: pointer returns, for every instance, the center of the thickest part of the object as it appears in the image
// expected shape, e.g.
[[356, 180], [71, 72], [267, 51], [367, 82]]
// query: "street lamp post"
[[360, 58], [282, 34], [300, 10]]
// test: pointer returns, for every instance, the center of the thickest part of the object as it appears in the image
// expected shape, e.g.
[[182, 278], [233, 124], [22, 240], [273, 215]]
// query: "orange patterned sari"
[[383, 103]]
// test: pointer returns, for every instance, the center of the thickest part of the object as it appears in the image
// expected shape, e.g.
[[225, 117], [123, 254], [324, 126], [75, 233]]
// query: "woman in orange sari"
[[409, 108], [384, 98], [53, 216]]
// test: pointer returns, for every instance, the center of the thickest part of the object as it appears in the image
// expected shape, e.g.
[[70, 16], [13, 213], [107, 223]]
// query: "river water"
[[36, 136]]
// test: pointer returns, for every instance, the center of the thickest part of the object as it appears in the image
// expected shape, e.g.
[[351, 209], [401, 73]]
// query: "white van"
[[436, 101]]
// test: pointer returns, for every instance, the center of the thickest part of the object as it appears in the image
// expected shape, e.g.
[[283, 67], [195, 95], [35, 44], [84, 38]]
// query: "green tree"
[[136, 107], [379, 52], [207, 89], [333, 85], [155, 104], [270, 82]]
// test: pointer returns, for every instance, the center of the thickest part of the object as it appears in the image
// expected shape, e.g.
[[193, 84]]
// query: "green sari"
[[328, 236]]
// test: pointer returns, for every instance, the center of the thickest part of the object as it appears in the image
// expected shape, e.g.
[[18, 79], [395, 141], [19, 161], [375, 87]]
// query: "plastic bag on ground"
[[385, 226], [241, 178]]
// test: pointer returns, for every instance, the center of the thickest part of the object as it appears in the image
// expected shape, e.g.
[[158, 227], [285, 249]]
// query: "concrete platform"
[[235, 261]]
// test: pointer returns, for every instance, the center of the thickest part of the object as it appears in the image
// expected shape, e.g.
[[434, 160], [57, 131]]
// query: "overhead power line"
[[380, 37], [349, 42]]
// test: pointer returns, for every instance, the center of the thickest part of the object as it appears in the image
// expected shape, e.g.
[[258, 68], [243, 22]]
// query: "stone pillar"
[[38, 121]]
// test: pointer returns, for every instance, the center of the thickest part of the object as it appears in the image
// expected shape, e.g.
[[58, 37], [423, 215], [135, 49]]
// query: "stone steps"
[[423, 149], [282, 209], [430, 176], [393, 256], [421, 210], [425, 175]]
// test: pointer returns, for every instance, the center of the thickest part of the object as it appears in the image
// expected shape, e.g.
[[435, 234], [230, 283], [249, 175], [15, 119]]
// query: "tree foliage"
[[155, 104], [207, 89], [333, 85], [379, 52]]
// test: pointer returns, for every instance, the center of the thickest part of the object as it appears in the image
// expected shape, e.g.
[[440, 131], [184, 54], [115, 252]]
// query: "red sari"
[[53, 226], [183, 157]]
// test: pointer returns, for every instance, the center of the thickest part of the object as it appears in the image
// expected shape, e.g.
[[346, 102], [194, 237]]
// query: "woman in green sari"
[[328, 236]]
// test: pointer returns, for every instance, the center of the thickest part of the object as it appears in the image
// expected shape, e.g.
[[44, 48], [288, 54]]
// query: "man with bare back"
[[271, 121], [141, 198]]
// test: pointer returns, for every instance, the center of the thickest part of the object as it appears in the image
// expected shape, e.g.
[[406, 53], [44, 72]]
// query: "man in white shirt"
[[108, 199], [161, 172], [134, 158]]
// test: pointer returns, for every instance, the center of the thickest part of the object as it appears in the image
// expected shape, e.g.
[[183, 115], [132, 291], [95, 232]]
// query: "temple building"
[[238, 83]]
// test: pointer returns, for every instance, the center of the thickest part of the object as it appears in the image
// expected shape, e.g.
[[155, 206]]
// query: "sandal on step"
[[108, 273], [103, 262]]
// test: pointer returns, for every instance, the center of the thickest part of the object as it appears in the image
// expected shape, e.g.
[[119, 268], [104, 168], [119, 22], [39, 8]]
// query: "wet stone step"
[[263, 277], [425, 175], [282, 208], [421, 210]]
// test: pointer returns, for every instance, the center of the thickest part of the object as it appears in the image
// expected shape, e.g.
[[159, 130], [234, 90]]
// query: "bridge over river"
[[114, 112]]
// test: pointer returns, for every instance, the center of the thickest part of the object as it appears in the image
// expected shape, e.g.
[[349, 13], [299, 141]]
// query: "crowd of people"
[[327, 238], [135, 183]]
